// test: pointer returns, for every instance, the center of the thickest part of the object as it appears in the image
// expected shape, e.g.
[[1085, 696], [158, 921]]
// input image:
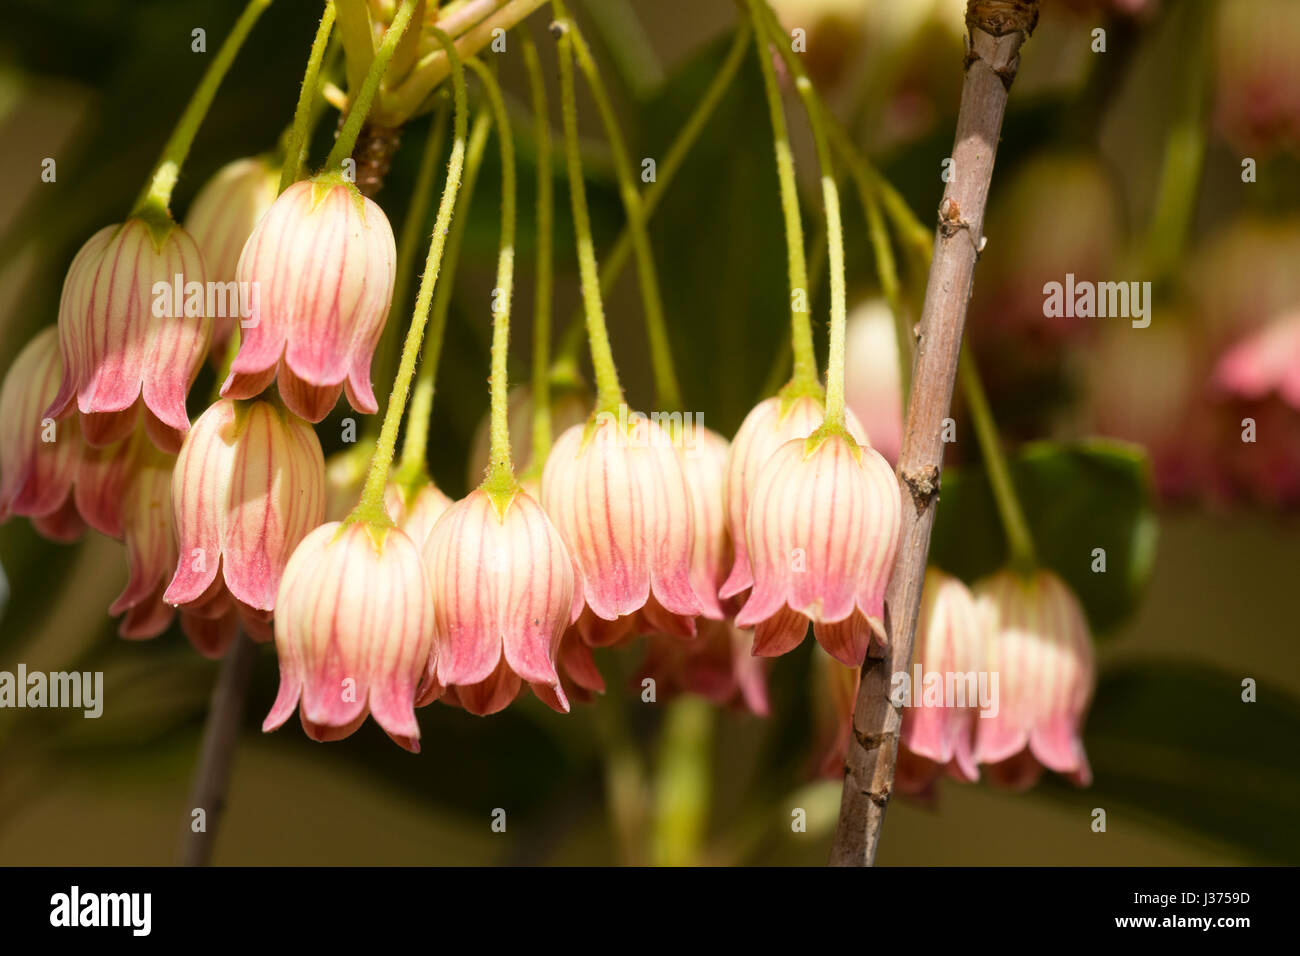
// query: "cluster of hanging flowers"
[[379, 592]]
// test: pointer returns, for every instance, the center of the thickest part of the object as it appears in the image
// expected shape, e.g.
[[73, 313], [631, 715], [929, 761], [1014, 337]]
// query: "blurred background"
[[1164, 149]]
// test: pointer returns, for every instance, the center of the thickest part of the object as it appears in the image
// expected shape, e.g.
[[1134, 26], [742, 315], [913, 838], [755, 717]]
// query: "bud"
[[937, 734], [822, 530], [503, 594], [222, 218], [128, 337], [416, 512], [617, 493], [1038, 644], [249, 485], [323, 261], [36, 476], [771, 423], [717, 665], [353, 630]]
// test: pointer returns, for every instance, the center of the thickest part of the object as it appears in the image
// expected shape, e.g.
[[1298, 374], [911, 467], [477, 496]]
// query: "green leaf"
[[1176, 743], [1077, 497]]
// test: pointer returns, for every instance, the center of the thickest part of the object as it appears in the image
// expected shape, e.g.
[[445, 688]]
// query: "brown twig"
[[220, 733], [995, 31]]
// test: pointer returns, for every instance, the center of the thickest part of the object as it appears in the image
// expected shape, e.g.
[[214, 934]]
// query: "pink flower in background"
[[937, 734], [704, 462], [220, 220], [146, 515], [1039, 645], [416, 512], [1266, 362], [323, 262], [716, 664], [873, 387]]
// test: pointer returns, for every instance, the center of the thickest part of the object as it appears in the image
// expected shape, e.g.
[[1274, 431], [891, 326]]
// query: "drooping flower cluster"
[[1001, 676]]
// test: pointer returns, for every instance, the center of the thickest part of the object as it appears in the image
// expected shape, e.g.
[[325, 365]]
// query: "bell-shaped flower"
[[322, 261], [704, 461], [823, 527], [1039, 646], [38, 456], [220, 220], [769, 425], [617, 492], [249, 485], [949, 658], [133, 330], [146, 516], [353, 631], [503, 595]]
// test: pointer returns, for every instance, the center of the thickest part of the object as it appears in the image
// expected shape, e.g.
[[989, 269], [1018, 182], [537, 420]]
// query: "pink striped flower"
[[249, 485], [822, 531], [146, 516], [1039, 645], [38, 456], [937, 735], [353, 630], [617, 492], [503, 594], [128, 339], [221, 219], [323, 262], [768, 426], [704, 461]]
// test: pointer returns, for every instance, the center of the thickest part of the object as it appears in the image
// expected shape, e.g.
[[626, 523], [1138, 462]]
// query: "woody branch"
[[995, 31]]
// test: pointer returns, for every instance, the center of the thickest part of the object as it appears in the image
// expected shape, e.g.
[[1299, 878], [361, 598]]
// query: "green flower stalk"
[[153, 204], [371, 506]]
